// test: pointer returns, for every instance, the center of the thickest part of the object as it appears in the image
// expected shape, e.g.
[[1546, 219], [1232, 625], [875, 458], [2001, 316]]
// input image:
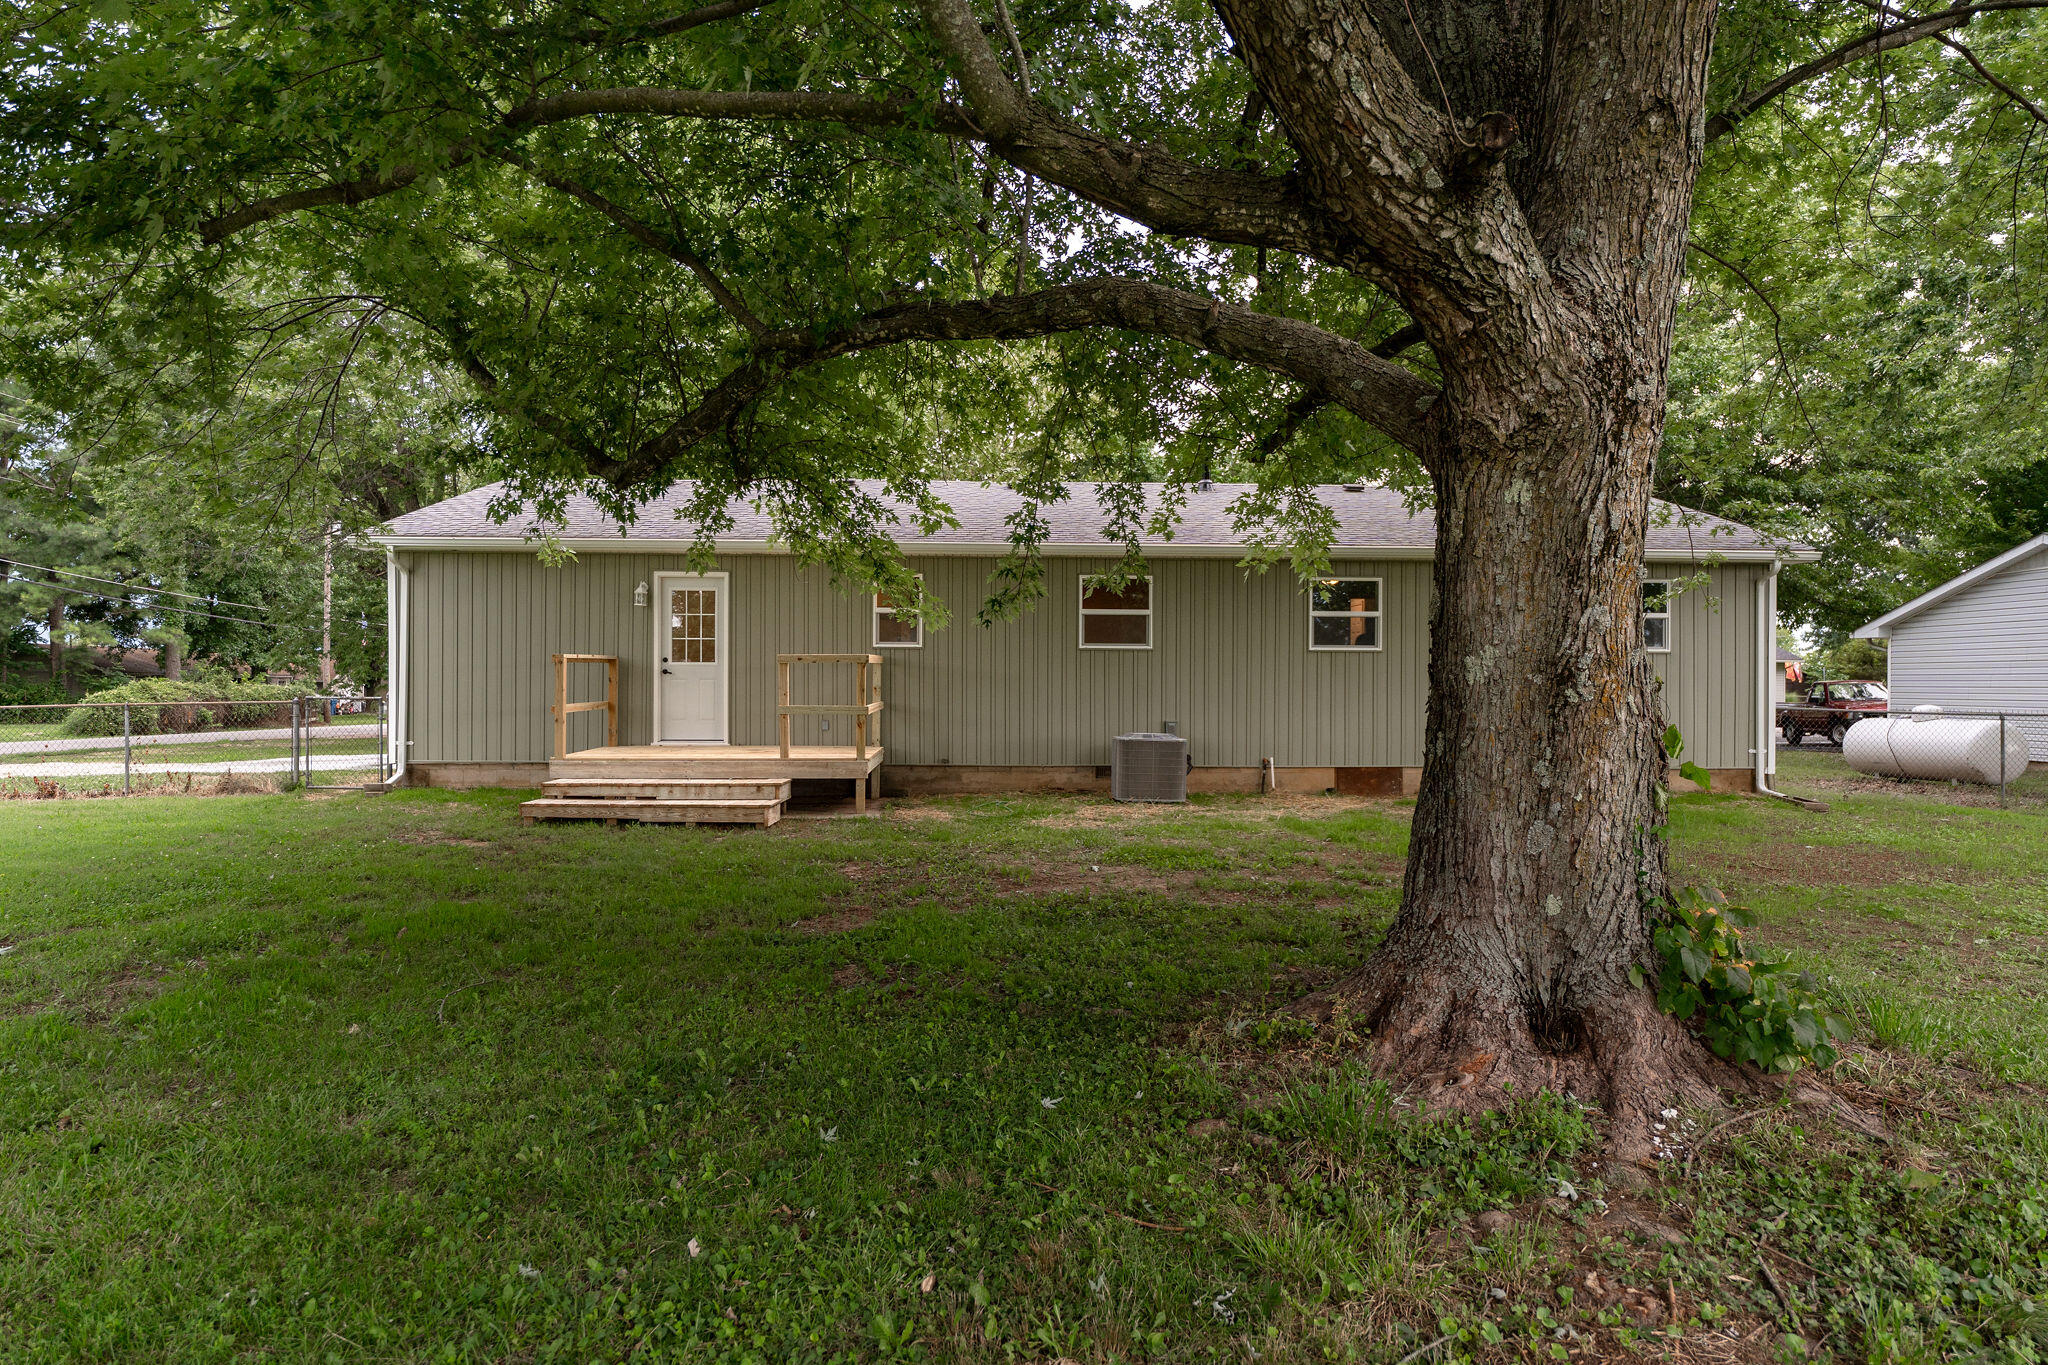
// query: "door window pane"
[[693, 625]]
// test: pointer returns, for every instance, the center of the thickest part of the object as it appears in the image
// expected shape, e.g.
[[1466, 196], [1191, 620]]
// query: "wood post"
[[860, 718], [782, 701], [611, 702], [560, 709]]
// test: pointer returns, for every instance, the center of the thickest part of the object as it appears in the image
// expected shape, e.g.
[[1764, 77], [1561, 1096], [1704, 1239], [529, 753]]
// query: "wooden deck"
[[729, 761]]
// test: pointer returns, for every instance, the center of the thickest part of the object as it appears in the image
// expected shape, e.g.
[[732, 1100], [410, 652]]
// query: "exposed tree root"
[[1460, 1051]]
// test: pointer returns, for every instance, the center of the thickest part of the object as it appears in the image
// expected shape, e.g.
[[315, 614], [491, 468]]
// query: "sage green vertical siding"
[[1710, 674], [1230, 662]]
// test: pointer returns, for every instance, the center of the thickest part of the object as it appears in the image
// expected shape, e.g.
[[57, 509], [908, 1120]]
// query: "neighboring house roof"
[[1881, 628], [1369, 518], [1786, 656]]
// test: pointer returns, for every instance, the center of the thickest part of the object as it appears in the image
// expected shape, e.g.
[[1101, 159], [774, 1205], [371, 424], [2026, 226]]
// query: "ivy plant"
[[1747, 1005]]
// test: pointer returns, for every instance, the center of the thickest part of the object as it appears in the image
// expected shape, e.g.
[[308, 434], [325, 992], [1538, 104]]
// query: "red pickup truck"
[[1830, 708]]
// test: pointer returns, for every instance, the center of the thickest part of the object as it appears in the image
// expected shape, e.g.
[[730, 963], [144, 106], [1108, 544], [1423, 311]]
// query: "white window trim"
[[1086, 611], [1664, 616], [1379, 634], [876, 611]]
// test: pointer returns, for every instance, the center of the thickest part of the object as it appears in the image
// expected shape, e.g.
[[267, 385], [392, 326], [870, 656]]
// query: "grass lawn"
[[198, 749], [306, 1077]]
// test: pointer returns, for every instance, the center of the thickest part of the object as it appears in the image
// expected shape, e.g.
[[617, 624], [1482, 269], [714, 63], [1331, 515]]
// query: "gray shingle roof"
[[1371, 518]]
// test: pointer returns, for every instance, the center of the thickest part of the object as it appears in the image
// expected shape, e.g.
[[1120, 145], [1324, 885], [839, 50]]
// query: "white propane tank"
[[1929, 744]]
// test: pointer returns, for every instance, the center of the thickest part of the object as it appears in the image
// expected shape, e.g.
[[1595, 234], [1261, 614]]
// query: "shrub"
[[26, 692], [248, 704], [1747, 1006]]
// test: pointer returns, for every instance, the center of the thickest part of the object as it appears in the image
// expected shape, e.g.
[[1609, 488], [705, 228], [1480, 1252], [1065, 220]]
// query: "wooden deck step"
[[668, 788], [665, 812]]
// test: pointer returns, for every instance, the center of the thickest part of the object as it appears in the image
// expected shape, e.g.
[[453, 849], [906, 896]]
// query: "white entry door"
[[690, 642]]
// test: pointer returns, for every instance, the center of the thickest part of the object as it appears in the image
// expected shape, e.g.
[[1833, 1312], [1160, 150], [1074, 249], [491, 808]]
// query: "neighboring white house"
[[1979, 642]]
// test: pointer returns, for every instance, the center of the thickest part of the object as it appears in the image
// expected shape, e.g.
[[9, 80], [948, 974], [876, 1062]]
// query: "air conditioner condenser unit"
[[1149, 767]]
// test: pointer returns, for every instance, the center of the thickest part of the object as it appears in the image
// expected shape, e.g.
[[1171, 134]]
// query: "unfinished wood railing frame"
[[563, 708], [866, 709]]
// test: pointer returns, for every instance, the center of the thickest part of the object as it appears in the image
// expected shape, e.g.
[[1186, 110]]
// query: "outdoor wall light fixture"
[[640, 595]]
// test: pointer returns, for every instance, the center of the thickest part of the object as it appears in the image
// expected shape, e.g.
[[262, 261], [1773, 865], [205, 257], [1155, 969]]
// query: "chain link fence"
[[130, 748], [1963, 757]]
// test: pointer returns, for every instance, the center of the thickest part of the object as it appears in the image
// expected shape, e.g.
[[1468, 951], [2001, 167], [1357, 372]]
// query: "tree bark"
[[1536, 864], [174, 658]]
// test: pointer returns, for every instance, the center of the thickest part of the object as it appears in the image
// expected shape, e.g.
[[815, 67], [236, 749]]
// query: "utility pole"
[[327, 610]]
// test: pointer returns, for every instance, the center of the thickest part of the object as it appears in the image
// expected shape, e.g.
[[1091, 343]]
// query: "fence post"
[[2001, 758], [127, 750], [384, 739], [296, 702]]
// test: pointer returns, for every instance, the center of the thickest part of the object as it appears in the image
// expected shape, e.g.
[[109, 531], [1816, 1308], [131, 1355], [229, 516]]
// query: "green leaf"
[[1674, 742], [1635, 977], [1805, 1029], [1695, 961]]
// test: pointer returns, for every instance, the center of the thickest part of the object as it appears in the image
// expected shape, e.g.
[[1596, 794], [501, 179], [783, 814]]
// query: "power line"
[[115, 582], [157, 607]]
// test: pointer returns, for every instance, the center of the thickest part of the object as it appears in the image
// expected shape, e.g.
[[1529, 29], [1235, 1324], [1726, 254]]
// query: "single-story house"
[[1979, 642], [1274, 685]]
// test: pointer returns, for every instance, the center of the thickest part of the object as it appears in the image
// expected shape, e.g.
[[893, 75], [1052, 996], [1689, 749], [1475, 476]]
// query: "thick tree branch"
[[1994, 82], [779, 106], [344, 193], [666, 243], [1140, 183], [1297, 416], [1378, 391], [653, 28], [1885, 37], [1422, 201], [1398, 341]]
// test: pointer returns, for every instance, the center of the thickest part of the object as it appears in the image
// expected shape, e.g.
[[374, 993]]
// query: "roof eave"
[[975, 549], [1881, 628]]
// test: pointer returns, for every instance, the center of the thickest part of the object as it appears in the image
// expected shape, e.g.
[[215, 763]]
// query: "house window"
[[897, 632], [1344, 613], [1657, 614], [1116, 618]]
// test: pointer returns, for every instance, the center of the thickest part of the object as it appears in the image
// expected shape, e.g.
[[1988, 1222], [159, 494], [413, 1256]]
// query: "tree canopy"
[[771, 246]]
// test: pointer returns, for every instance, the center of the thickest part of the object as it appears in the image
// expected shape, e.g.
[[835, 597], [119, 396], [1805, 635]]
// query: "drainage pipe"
[[1766, 677], [397, 633]]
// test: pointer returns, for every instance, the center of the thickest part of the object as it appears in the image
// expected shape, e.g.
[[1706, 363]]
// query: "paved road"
[[325, 763], [319, 733]]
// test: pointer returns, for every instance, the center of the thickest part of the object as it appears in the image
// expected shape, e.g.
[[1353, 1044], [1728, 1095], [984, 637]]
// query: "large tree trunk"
[[1536, 863], [1536, 860]]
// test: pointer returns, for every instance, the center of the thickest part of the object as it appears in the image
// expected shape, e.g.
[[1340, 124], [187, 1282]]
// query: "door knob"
[[665, 672]]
